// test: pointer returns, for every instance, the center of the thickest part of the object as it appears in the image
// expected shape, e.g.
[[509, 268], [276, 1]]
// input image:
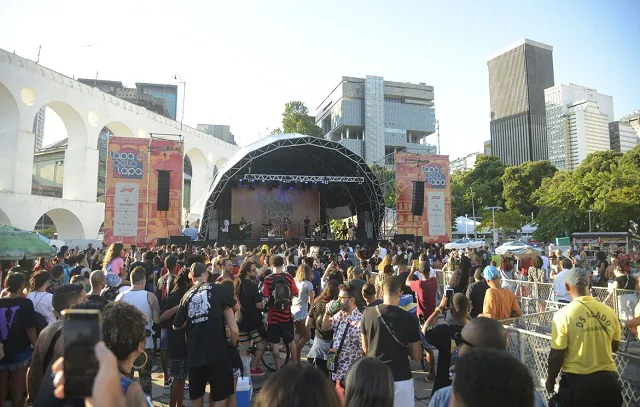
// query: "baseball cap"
[[577, 277], [357, 270], [490, 273]]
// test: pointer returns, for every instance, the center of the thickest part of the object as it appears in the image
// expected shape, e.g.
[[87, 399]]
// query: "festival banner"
[[131, 214], [435, 223]]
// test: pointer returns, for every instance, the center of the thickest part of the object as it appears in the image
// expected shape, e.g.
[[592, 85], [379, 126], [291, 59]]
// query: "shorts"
[[300, 315], [256, 336], [283, 330], [112, 280], [164, 339], [20, 361], [219, 375], [178, 369]]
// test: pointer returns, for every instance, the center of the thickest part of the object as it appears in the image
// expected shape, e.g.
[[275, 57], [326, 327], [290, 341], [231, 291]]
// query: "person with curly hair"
[[41, 299], [113, 264]]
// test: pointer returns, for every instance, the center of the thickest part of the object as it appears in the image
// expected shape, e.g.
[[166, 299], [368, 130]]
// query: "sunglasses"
[[459, 340]]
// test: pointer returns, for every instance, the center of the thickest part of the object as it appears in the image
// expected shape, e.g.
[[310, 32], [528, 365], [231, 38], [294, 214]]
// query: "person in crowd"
[[43, 264], [300, 306], [369, 295], [97, 282], [147, 304], [357, 282], [202, 310], [626, 300], [391, 334], [600, 272], [507, 271], [164, 288], [559, 287], [386, 273], [512, 384], [176, 341], [227, 271], [113, 263], [583, 336], [536, 274], [147, 264], [249, 318], [295, 385], [499, 302], [441, 335], [476, 292], [460, 278], [280, 288], [57, 273], [322, 342], [18, 335], [344, 320], [80, 279], [41, 299], [369, 383]]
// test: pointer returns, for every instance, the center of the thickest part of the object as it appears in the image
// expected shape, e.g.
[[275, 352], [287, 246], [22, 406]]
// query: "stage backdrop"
[[131, 214], [261, 204], [435, 223]]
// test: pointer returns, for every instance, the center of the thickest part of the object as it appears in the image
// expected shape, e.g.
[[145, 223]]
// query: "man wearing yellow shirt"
[[583, 336]]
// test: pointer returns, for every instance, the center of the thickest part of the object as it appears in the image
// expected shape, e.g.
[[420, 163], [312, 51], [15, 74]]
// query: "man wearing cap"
[[583, 336], [499, 303], [357, 283]]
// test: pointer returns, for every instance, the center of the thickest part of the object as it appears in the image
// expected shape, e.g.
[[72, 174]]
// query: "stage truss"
[[302, 178], [243, 168], [386, 173]]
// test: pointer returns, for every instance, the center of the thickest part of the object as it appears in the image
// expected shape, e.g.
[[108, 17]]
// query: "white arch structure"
[[25, 87]]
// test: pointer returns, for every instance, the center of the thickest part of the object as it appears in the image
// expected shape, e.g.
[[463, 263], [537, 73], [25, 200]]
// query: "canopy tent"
[[466, 225], [17, 244], [519, 248], [465, 243]]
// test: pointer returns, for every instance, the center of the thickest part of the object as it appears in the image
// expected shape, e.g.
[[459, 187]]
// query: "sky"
[[243, 60]]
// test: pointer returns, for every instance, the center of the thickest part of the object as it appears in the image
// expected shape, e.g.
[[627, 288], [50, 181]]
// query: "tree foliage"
[[506, 221], [296, 119], [277, 130], [387, 182], [484, 182], [520, 183]]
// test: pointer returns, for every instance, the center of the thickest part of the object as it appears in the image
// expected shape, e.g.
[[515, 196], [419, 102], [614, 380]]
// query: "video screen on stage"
[[279, 212]]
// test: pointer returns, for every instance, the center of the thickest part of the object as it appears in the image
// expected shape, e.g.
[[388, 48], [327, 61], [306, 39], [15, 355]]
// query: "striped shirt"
[[275, 316]]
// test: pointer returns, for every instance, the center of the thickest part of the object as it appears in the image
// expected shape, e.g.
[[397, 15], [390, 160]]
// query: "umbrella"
[[519, 248], [43, 238], [16, 244], [464, 243]]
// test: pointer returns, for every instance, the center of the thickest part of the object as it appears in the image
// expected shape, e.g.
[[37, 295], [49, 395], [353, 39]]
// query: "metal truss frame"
[[302, 178], [388, 227], [243, 165]]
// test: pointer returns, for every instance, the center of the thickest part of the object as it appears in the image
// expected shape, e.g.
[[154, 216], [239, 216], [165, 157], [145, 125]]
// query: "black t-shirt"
[[316, 313], [202, 309], [402, 277], [475, 294], [148, 267], [249, 318], [96, 299], [381, 344], [441, 337], [626, 282], [177, 338], [16, 316], [357, 284]]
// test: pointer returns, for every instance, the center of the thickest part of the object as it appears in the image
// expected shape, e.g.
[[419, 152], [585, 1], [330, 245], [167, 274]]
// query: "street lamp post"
[[466, 226], [589, 211], [493, 213], [473, 208], [184, 92]]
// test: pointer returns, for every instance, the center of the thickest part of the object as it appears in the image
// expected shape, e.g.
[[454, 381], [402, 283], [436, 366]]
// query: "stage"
[[333, 245]]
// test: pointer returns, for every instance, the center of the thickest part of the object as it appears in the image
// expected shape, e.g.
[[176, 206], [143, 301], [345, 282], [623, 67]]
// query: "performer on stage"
[[245, 228], [352, 230], [316, 228], [345, 230], [307, 223], [285, 227]]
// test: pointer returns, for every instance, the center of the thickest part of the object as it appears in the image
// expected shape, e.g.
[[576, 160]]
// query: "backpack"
[[280, 293], [109, 293]]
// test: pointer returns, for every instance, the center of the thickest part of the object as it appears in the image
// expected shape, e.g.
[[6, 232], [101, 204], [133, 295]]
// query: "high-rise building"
[[166, 92], [463, 163], [38, 128], [633, 120], [577, 123], [517, 80], [623, 137], [220, 131], [487, 148], [375, 118]]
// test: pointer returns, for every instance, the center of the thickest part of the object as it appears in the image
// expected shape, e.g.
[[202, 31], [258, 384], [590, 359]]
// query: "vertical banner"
[[435, 223], [131, 214]]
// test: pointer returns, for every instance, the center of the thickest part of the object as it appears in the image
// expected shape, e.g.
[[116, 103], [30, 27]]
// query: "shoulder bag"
[[332, 354], [389, 329]]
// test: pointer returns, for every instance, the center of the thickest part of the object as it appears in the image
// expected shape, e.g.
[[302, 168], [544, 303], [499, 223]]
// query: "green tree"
[[485, 180], [520, 183], [296, 119], [277, 130], [387, 182], [506, 221]]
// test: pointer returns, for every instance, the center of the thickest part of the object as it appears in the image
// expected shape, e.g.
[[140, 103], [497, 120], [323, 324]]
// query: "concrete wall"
[[26, 87]]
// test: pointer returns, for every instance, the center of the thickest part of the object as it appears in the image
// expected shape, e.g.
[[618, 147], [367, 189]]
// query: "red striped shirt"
[[274, 316]]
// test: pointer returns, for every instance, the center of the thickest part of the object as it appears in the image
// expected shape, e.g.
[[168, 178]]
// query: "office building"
[[517, 80], [219, 131], [622, 136], [577, 123], [463, 163], [633, 120], [487, 148], [38, 128], [376, 118], [158, 98]]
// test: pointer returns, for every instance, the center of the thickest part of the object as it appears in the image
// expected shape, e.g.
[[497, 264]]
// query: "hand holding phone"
[[82, 331], [448, 292]]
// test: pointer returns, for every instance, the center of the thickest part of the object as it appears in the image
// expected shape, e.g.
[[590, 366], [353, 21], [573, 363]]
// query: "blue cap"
[[490, 273]]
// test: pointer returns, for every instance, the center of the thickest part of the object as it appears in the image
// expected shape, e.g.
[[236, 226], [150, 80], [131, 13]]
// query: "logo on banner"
[[126, 164], [434, 176]]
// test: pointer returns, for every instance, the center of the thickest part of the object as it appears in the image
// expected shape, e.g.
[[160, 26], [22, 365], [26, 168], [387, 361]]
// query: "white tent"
[[465, 225], [519, 248], [465, 243]]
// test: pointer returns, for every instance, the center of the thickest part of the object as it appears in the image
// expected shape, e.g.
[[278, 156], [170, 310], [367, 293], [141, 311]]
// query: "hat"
[[491, 273], [577, 277], [357, 270]]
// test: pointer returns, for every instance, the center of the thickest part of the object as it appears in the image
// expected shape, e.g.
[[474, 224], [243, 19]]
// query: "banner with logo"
[[131, 214], [435, 223]]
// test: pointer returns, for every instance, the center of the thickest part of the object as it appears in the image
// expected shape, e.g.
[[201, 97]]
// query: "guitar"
[[243, 227]]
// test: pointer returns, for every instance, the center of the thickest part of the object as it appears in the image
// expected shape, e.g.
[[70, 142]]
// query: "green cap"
[[577, 277]]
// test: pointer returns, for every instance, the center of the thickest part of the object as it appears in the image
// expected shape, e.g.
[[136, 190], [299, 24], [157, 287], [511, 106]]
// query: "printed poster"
[[125, 213]]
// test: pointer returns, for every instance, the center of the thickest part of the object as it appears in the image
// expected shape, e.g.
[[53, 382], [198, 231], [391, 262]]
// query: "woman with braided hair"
[[249, 318]]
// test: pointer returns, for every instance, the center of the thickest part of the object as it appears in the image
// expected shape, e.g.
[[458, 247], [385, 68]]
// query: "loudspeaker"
[[234, 231], [179, 240], [162, 241], [162, 203], [417, 204]]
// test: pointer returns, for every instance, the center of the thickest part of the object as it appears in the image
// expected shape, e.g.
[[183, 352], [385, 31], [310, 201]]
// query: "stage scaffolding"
[[385, 171]]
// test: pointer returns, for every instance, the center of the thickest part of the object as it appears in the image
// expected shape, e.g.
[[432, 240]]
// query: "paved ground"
[[422, 388]]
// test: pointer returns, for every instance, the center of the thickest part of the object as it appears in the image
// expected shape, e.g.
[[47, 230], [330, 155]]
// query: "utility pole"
[[473, 208], [184, 92], [493, 213], [466, 226], [438, 133], [589, 219]]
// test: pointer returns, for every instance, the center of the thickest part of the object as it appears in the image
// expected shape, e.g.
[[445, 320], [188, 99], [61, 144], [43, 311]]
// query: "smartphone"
[[82, 330], [448, 292]]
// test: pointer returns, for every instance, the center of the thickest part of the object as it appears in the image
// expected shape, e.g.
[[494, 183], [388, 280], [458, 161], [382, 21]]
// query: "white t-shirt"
[[42, 304], [559, 287], [382, 252], [301, 301]]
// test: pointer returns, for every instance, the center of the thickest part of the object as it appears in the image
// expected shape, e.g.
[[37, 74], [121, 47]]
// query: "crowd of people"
[[207, 314]]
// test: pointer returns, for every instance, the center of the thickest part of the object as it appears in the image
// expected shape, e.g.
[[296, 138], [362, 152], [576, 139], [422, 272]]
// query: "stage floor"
[[333, 245]]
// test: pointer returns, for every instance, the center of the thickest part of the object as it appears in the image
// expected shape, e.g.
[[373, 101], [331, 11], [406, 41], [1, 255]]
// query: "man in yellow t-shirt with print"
[[583, 336]]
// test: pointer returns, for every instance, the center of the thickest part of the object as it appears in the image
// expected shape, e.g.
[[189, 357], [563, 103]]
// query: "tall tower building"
[[517, 80], [38, 128]]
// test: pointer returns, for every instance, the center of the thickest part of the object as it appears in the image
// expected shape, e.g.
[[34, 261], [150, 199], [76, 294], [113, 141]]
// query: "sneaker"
[[257, 372], [167, 382]]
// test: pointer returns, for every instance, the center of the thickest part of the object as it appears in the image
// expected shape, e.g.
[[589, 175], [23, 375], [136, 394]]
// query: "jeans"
[[599, 389]]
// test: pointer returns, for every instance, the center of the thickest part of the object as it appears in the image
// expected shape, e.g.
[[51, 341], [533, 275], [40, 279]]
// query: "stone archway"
[[199, 179], [4, 218], [9, 114], [67, 224], [10, 140]]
